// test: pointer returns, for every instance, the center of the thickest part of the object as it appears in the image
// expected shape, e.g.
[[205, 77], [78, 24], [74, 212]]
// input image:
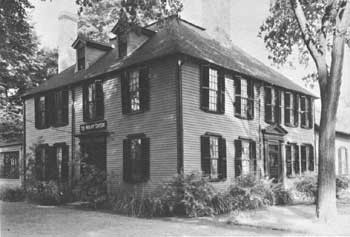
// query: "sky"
[[244, 19]]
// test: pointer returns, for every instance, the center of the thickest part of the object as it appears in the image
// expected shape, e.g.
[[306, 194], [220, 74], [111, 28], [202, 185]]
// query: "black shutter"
[[238, 158], [311, 158], [238, 102], [49, 114], [310, 115], [146, 158], [250, 102], [221, 93], [268, 105], [204, 88], [65, 163], [287, 115], [126, 160], [65, 96], [144, 89], [252, 154], [278, 113], [38, 165], [296, 159], [222, 159], [99, 100], [85, 103], [51, 164], [125, 93], [296, 110], [205, 155], [37, 116]]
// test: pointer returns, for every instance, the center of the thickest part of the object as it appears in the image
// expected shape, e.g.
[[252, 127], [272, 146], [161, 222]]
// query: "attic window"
[[122, 47], [81, 58]]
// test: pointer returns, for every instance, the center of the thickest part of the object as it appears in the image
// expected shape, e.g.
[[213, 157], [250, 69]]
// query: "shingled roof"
[[175, 36]]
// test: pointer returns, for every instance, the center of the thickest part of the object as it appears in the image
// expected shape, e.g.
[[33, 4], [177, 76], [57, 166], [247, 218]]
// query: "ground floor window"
[[9, 166], [307, 158], [245, 157], [292, 159], [93, 153], [61, 155], [343, 161], [213, 156], [136, 158]]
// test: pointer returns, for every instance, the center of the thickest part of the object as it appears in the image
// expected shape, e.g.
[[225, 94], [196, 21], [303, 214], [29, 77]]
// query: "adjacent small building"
[[164, 99]]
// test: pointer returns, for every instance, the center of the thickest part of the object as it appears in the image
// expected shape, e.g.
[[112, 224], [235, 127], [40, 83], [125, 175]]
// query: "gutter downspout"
[[179, 117], [24, 155], [72, 136]]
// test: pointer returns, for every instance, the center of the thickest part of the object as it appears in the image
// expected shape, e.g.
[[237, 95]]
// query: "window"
[[61, 155], [42, 106], [290, 109], [306, 112], [136, 163], [9, 168], [93, 150], [343, 162], [272, 105], [81, 58], [307, 158], [93, 101], [60, 109], [212, 90], [292, 159], [213, 157], [244, 98], [41, 158], [135, 91], [245, 157], [122, 46]]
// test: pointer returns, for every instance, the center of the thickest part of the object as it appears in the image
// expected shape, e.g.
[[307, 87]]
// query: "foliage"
[[342, 183], [9, 194], [98, 17], [92, 186], [44, 193], [249, 192], [307, 185]]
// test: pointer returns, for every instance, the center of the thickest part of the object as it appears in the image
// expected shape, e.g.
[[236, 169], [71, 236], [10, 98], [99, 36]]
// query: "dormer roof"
[[81, 39]]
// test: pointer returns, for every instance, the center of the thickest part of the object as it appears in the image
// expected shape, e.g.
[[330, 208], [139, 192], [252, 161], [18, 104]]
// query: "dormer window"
[[81, 58], [122, 47]]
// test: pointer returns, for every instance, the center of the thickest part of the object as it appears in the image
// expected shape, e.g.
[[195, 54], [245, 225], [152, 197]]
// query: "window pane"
[[134, 90]]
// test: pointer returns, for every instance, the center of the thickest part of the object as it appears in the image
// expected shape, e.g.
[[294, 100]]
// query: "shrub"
[[342, 183], [44, 193], [307, 185], [16, 194], [92, 186], [282, 196], [249, 192]]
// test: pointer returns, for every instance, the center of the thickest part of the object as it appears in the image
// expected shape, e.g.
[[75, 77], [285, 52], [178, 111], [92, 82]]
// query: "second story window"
[[81, 58], [60, 108], [135, 91], [291, 109], [42, 112], [212, 90], [272, 105], [244, 98], [213, 156], [306, 117], [93, 101]]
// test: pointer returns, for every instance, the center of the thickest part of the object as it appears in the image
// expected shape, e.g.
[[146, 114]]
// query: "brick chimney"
[[67, 33]]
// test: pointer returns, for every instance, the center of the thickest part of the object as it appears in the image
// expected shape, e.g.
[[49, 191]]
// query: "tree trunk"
[[330, 90]]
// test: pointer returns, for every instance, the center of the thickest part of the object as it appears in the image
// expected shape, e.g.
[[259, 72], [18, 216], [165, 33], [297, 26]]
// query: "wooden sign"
[[93, 126]]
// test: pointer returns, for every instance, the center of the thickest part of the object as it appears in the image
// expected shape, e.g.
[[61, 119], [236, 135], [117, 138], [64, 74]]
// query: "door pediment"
[[275, 129]]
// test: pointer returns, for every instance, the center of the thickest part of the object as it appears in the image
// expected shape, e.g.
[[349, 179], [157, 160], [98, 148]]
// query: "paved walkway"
[[23, 219]]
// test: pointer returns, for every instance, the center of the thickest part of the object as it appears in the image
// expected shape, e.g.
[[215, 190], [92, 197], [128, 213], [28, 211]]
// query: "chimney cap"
[[67, 15]]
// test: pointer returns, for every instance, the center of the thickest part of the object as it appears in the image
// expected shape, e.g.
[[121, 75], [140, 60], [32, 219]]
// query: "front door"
[[275, 161]]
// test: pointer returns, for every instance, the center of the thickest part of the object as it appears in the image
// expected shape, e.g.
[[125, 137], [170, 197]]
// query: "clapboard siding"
[[197, 122]]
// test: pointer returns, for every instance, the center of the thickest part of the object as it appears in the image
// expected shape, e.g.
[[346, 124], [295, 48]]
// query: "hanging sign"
[[93, 126]]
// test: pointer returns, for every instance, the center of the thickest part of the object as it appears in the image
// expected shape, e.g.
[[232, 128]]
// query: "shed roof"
[[175, 36]]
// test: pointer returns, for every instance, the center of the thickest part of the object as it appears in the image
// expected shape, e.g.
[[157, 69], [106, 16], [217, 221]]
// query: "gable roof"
[[176, 36]]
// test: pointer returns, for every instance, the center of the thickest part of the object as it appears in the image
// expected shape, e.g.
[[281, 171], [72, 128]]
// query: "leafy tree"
[[318, 30], [99, 16]]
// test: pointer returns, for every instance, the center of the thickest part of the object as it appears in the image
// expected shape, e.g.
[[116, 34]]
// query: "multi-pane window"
[[42, 112], [213, 156], [307, 158], [244, 98], [9, 166], [245, 157], [136, 159], [61, 157], [212, 90], [306, 112], [81, 58], [289, 109], [93, 101], [135, 90], [292, 159], [60, 109], [343, 161]]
